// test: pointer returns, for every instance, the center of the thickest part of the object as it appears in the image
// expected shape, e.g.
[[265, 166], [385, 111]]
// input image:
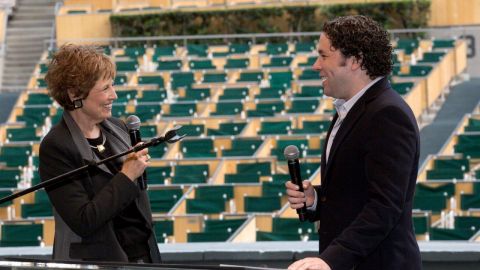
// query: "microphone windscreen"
[[133, 122], [291, 152]]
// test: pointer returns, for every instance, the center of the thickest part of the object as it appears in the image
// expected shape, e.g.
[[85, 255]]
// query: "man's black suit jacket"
[[365, 199]]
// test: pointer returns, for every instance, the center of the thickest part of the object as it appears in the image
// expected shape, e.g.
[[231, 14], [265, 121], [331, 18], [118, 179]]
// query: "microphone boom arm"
[[170, 137]]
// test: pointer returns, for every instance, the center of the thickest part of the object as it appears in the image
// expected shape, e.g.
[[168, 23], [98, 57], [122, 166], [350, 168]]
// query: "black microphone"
[[291, 153], [133, 125]]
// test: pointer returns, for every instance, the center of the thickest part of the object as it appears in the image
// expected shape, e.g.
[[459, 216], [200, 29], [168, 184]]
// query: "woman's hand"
[[135, 164]]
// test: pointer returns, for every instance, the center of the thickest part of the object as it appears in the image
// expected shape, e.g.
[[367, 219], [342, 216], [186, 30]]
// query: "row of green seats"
[[448, 168]]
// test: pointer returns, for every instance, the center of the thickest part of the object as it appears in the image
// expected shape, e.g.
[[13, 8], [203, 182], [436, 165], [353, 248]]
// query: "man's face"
[[334, 69]]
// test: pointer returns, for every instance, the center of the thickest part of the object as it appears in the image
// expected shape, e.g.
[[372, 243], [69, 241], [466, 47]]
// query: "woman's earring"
[[77, 103]]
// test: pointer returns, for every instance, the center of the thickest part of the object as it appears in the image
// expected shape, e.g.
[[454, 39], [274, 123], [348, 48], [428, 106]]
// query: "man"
[[370, 161]]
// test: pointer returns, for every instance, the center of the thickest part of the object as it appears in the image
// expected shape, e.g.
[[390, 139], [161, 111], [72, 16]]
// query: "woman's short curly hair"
[[363, 38], [77, 68]]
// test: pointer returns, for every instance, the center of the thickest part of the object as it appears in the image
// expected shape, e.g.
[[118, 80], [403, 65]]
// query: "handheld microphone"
[[291, 153], [133, 125]]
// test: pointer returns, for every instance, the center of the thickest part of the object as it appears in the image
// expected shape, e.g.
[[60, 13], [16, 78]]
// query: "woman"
[[100, 215]]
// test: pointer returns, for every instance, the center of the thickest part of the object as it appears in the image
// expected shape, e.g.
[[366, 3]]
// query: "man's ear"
[[356, 62]]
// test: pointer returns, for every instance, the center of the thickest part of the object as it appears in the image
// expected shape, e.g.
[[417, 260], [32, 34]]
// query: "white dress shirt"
[[342, 107]]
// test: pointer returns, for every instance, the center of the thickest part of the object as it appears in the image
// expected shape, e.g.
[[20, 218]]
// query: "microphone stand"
[[170, 137]]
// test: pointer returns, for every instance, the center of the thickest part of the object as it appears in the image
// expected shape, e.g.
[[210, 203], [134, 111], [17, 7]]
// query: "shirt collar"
[[343, 107]]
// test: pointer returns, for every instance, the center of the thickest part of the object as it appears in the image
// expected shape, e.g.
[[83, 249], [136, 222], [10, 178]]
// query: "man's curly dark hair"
[[363, 38]]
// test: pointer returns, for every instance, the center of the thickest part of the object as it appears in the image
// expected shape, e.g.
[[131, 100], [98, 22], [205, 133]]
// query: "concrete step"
[[25, 64], [21, 57], [18, 69], [28, 30], [32, 16], [25, 49], [35, 2], [31, 23], [37, 38], [45, 8]]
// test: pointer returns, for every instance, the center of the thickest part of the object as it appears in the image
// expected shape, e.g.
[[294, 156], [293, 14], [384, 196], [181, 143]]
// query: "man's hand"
[[297, 198], [309, 264]]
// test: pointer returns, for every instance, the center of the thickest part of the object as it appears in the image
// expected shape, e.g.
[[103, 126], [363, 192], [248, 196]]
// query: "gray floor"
[[462, 100], [7, 101]]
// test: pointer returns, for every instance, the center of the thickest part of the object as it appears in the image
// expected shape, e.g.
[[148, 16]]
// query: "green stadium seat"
[[468, 145], [34, 116], [169, 65], [120, 80], [262, 204], [207, 237], [41, 83], [310, 91], [234, 93], [157, 80], [278, 236], [14, 156], [162, 200], [473, 125], [402, 88], [214, 192], [451, 234], [277, 48], [249, 172], [445, 189], [238, 48], [38, 99], [148, 131], [303, 106], [158, 174], [434, 203], [9, 178], [304, 47], [200, 50], [124, 96], [310, 61], [274, 188], [470, 201], [163, 229], [418, 71], [206, 206], [133, 52], [276, 127], [242, 147], [228, 108], [181, 109], [22, 134], [280, 79], [118, 110], [193, 130], [249, 76], [227, 129], [265, 109], [201, 64], [5, 193], [407, 45], [443, 43], [152, 96], [421, 224], [16, 235], [312, 127], [216, 230], [162, 51], [271, 92], [447, 169], [236, 63], [127, 65], [432, 57], [197, 148], [190, 174], [278, 61], [182, 79], [147, 112], [214, 77], [309, 74], [195, 94]]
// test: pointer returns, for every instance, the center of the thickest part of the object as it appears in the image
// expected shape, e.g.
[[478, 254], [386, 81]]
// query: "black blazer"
[[84, 206], [365, 199]]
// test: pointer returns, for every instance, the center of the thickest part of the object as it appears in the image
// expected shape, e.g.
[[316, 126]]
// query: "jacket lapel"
[[81, 143], [350, 120]]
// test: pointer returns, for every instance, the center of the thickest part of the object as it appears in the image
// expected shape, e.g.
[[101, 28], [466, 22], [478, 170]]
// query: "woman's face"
[[98, 104]]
